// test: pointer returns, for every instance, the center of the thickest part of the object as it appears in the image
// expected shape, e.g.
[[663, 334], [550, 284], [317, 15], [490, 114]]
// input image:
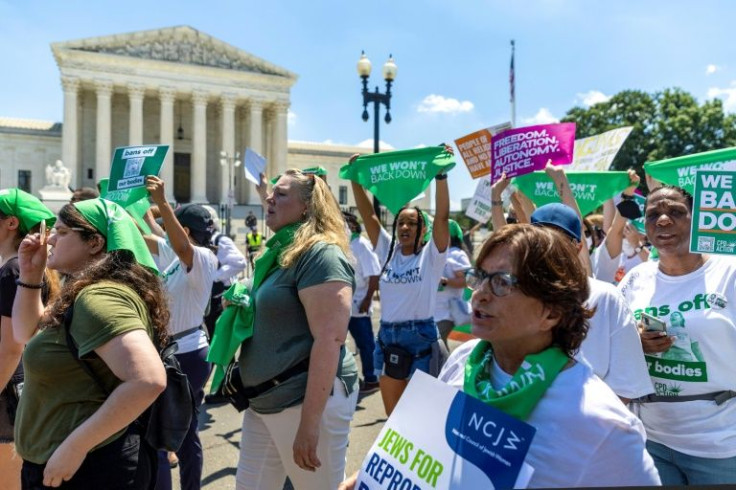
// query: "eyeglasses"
[[501, 282], [63, 230]]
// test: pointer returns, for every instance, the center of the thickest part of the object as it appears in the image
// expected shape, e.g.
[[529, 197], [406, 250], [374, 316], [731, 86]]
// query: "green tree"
[[665, 124]]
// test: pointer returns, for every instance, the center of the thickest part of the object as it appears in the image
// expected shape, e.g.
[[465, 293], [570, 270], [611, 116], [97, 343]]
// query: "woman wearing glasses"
[[529, 290], [529, 313]]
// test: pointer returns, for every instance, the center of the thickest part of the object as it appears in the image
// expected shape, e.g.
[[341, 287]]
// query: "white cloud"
[[711, 69], [439, 103], [728, 95], [382, 145], [543, 116], [291, 118], [592, 97]]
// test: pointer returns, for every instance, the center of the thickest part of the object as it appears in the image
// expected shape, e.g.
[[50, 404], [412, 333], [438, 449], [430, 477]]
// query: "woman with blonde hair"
[[300, 379]]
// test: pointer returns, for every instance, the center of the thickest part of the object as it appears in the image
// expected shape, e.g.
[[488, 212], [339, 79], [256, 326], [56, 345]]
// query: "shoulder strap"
[[75, 352]]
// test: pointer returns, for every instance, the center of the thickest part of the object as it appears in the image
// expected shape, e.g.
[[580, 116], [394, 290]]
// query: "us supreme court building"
[[175, 86]]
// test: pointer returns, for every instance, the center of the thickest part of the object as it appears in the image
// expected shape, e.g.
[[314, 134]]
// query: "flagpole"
[[512, 86]]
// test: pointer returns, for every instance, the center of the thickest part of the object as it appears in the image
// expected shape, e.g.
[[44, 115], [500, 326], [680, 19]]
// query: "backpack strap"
[[68, 314]]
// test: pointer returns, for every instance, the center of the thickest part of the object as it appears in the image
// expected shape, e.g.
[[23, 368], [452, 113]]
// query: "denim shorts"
[[415, 336]]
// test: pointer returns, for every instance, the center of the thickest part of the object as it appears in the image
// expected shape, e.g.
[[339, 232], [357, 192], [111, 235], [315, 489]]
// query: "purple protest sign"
[[521, 151]]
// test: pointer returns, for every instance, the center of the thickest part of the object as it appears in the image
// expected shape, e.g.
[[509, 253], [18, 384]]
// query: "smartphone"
[[652, 323]]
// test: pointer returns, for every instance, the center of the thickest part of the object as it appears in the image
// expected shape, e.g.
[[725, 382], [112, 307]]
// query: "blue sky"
[[452, 56]]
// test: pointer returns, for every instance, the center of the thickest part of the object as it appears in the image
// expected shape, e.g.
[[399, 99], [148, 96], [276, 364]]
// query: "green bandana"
[[354, 236], [519, 397], [318, 170], [117, 227], [233, 326], [680, 171], [27, 208], [591, 189], [397, 177], [136, 209]]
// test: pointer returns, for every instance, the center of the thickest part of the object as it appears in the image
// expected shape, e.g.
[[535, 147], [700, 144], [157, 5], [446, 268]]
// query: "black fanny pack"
[[240, 396], [397, 360]]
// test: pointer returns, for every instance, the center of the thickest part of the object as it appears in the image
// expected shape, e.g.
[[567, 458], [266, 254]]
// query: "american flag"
[[511, 74]]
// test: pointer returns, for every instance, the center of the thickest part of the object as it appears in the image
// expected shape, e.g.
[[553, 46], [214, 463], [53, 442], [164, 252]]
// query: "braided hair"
[[417, 239]]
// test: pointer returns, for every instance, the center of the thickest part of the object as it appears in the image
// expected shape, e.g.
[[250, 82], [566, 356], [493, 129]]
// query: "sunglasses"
[[501, 283]]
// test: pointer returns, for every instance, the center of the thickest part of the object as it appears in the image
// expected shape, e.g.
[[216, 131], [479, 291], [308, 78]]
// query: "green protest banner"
[[397, 177], [713, 228], [136, 209], [681, 171], [130, 165], [591, 189]]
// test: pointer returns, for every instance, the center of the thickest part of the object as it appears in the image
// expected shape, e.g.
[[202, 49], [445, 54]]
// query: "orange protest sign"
[[475, 148]]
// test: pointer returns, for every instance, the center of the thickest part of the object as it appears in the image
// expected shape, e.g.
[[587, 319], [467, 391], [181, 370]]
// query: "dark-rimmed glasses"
[[501, 283]]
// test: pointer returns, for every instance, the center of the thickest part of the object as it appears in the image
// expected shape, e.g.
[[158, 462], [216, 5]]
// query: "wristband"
[[496, 203], [28, 286], [440, 177]]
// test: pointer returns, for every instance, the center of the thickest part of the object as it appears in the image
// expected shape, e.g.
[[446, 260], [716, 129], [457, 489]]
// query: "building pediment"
[[182, 44]]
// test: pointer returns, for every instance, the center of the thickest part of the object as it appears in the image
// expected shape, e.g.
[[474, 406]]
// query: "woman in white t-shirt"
[[452, 282], [188, 268], [691, 418], [408, 288]]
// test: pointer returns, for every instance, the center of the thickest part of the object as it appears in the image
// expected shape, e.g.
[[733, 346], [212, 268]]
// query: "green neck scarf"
[[354, 236], [269, 260], [519, 397]]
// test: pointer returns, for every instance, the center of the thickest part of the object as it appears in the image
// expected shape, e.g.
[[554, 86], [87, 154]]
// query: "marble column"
[[280, 129], [103, 152], [70, 129], [199, 147], [227, 102], [167, 96], [135, 94], [255, 143]]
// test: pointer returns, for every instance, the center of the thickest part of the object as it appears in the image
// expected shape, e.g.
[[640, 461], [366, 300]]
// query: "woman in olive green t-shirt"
[[68, 430]]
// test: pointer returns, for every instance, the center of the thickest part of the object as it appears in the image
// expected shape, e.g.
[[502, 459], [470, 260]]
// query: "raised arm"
[[262, 189], [365, 207], [615, 234], [28, 306], [498, 220], [178, 237]]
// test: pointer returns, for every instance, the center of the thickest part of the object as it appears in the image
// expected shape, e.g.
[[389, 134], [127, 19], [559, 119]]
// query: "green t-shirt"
[[58, 394], [281, 336]]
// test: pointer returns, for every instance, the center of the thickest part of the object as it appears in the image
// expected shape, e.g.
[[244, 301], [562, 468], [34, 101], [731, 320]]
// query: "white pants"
[[266, 448]]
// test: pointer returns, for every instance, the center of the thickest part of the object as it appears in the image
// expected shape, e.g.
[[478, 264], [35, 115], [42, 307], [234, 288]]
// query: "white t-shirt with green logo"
[[408, 286], [700, 310]]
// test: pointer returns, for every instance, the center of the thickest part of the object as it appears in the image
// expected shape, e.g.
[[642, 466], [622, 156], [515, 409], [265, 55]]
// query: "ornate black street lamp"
[[389, 74]]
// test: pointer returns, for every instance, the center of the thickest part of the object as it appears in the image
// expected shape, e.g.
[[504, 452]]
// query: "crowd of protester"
[[88, 299]]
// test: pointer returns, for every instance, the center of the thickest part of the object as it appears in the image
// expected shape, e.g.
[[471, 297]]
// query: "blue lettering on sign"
[[493, 441], [384, 473]]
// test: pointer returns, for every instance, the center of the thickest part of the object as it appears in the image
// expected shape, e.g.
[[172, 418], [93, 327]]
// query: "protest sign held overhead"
[[596, 153], [130, 165], [254, 166], [460, 443], [521, 151], [590, 189], [475, 149], [681, 171], [713, 228], [397, 177]]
